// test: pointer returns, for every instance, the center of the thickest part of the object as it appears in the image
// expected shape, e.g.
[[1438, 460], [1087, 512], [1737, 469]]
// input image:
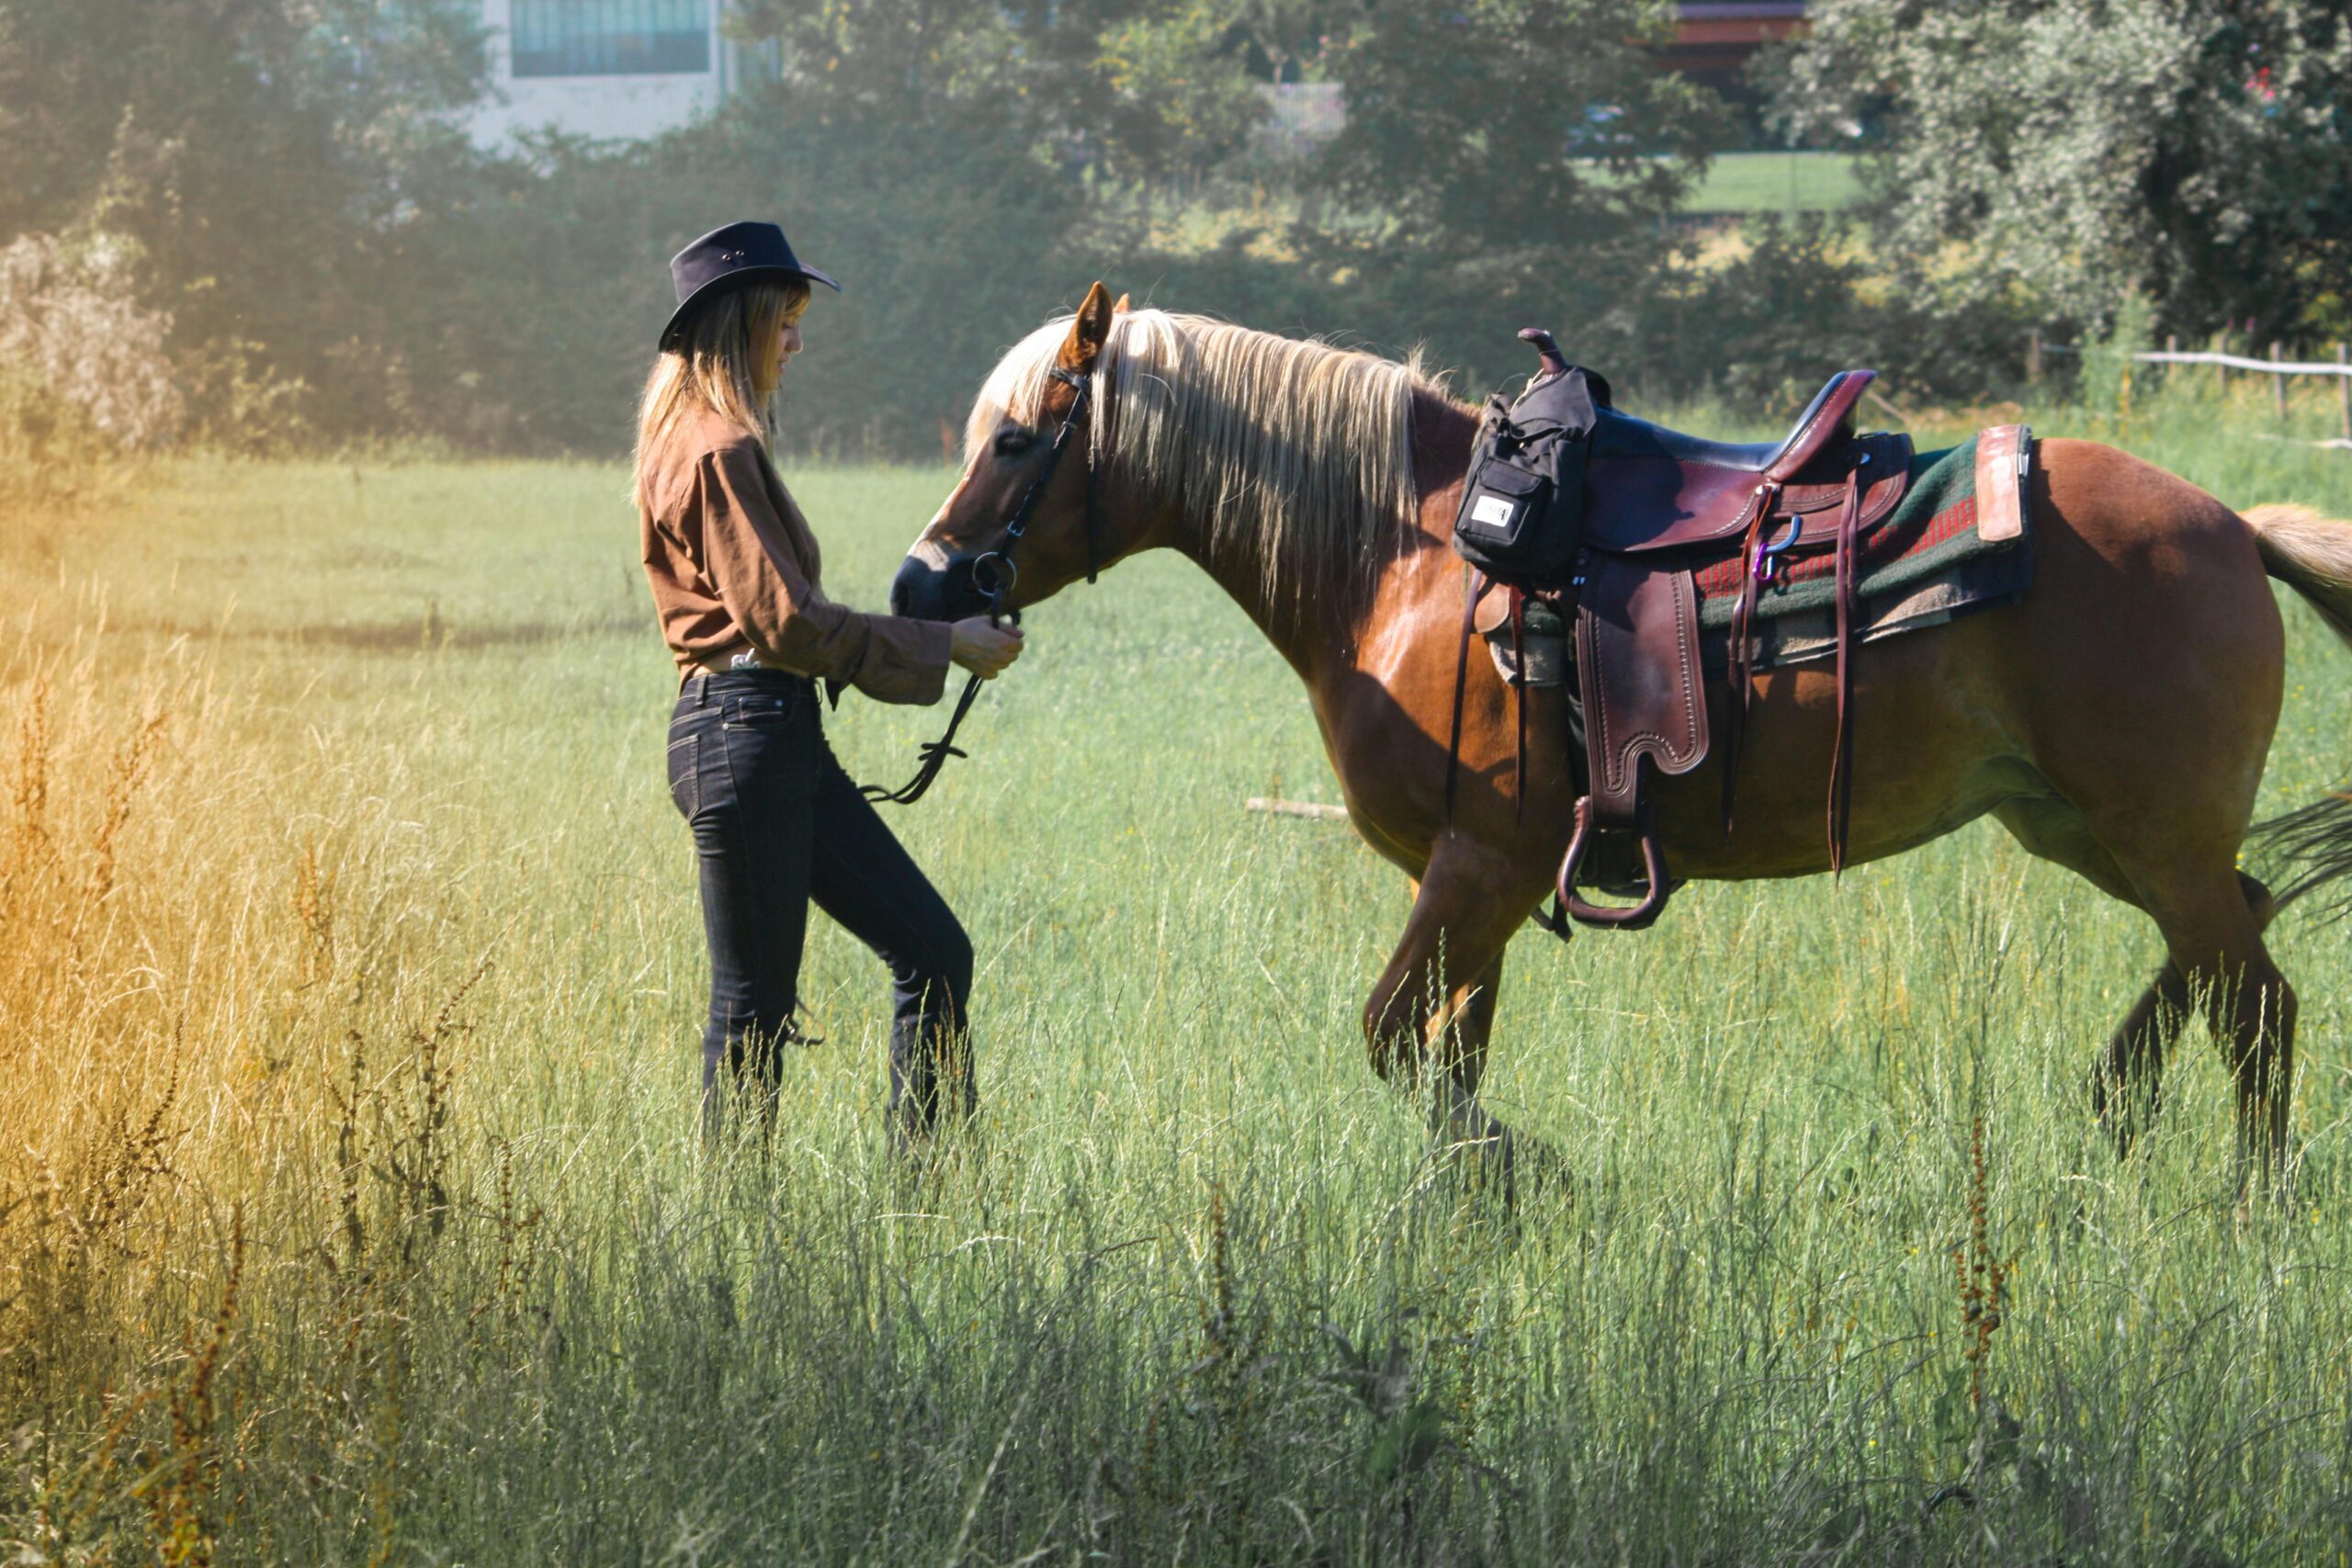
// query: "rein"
[[997, 581]]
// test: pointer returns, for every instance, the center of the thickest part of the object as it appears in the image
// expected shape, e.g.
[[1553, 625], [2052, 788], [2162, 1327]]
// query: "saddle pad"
[[1951, 548]]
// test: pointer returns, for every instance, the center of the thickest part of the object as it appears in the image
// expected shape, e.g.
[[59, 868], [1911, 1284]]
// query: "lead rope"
[[932, 755]]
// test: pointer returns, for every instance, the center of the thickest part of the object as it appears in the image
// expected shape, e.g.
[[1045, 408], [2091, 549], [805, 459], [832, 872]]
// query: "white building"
[[606, 68]]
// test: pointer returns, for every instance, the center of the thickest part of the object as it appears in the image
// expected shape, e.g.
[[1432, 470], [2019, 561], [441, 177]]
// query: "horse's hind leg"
[[2139, 1047], [2174, 836], [2251, 1016], [2127, 1083], [2212, 925]]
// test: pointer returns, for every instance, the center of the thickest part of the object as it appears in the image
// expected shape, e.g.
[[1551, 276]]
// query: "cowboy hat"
[[731, 257]]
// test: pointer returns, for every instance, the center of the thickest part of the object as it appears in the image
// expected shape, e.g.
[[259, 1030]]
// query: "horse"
[[2115, 718]]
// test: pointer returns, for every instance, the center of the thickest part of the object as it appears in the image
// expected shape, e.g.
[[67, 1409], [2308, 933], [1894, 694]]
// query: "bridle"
[[997, 579], [1017, 525]]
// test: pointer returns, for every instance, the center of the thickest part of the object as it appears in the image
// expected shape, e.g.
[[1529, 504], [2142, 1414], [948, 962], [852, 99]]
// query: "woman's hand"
[[983, 648]]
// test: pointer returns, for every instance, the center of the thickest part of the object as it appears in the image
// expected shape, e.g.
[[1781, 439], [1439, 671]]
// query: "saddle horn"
[[1555, 362]]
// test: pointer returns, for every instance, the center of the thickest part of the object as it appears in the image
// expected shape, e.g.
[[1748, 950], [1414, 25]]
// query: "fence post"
[[2222, 372], [2344, 394], [2172, 346], [2278, 382], [2033, 357]]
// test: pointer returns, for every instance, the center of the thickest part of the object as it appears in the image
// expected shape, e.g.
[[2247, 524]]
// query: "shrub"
[[81, 369], [69, 319]]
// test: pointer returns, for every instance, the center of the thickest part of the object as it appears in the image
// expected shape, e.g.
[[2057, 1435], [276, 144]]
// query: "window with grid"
[[610, 38]]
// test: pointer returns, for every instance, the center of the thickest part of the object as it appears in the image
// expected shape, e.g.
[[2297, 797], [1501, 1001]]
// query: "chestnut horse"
[[2116, 720]]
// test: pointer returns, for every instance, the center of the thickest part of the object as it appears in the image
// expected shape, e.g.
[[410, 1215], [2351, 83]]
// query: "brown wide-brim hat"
[[731, 257]]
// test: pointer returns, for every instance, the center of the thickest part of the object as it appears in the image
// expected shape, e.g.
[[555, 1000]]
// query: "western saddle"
[[1657, 505]]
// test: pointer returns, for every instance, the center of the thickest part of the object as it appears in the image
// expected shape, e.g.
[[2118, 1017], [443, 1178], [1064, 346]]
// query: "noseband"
[[994, 574]]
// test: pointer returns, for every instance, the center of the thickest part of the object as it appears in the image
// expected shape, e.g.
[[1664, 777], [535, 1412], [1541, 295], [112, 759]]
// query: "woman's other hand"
[[983, 648]]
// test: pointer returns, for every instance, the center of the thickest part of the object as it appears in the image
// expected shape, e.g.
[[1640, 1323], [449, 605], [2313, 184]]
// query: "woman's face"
[[788, 340], [776, 351]]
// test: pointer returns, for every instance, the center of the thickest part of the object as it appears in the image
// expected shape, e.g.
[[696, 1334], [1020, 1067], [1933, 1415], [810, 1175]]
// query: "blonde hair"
[[1297, 455], [713, 366]]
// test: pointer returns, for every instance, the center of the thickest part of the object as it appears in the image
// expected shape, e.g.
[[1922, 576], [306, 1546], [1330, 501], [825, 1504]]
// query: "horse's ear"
[[1088, 331], [1121, 307]]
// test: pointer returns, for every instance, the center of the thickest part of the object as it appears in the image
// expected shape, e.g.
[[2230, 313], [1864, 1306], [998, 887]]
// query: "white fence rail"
[[2240, 362], [2276, 367]]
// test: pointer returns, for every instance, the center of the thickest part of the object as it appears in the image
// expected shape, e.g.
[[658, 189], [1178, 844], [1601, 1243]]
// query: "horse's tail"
[[2312, 555]]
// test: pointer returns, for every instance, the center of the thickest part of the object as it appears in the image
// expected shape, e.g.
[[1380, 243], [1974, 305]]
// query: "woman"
[[776, 822]]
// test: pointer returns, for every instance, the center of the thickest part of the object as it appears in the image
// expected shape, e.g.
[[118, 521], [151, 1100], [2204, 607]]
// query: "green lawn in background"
[[1742, 183], [1194, 1291]]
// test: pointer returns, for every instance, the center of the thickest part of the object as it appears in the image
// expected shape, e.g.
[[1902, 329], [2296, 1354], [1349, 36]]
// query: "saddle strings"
[[1844, 568], [1841, 762], [1751, 555]]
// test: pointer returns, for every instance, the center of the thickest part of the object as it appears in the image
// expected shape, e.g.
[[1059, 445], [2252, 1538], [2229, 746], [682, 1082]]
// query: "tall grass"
[[352, 1210]]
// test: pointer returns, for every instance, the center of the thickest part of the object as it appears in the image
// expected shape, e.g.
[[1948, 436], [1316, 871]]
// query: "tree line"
[[275, 202]]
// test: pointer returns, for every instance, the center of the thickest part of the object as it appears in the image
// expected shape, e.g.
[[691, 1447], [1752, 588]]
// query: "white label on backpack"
[[1494, 510]]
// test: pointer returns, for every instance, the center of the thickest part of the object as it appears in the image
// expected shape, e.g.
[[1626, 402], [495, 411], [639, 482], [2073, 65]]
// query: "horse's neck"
[[1318, 632]]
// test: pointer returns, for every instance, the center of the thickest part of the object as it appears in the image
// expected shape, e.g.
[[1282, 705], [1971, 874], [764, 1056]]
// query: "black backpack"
[[1522, 506]]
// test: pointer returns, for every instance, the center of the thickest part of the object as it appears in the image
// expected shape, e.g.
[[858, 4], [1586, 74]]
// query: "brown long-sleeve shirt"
[[732, 562]]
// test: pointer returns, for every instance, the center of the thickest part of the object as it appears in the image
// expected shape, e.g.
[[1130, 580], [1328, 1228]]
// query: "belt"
[[702, 684], [740, 663]]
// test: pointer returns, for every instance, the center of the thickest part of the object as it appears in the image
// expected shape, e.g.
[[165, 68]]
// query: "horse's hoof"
[[2120, 1115], [1508, 1162], [1541, 1170]]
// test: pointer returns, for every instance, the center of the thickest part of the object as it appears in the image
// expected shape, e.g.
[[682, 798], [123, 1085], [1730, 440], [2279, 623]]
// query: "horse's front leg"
[[1436, 1000]]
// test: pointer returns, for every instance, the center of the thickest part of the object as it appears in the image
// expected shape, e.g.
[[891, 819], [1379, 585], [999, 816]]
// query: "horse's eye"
[[1014, 443]]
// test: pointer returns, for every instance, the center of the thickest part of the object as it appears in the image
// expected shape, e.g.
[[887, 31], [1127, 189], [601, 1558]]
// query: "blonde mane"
[[1293, 452]]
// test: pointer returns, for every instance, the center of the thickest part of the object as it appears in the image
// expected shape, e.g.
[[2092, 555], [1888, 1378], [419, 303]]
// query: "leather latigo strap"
[[1841, 759], [1741, 674], [1877, 477], [1519, 704], [1473, 589]]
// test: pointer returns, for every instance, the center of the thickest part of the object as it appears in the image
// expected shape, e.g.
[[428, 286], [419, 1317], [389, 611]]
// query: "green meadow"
[[352, 1208], [1777, 182]]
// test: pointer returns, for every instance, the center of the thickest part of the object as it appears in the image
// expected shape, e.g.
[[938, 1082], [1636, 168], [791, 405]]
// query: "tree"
[[1512, 123], [1136, 88], [259, 158], [2053, 157], [1177, 101], [1507, 162]]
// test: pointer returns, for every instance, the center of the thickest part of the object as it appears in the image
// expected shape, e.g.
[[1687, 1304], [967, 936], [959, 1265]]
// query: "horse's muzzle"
[[945, 592]]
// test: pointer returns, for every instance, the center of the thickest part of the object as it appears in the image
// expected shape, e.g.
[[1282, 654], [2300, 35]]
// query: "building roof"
[[1719, 35]]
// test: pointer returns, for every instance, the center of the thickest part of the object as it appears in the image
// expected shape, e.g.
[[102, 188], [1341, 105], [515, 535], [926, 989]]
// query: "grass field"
[[1777, 182], [351, 1209]]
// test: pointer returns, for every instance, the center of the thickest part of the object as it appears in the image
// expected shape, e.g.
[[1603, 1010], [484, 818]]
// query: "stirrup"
[[1631, 917]]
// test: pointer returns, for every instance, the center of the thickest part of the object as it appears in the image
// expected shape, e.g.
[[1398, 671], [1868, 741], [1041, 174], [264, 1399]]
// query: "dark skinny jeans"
[[776, 822]]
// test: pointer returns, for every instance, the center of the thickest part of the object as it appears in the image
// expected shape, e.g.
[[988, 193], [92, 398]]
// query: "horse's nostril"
[[902, 588]]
